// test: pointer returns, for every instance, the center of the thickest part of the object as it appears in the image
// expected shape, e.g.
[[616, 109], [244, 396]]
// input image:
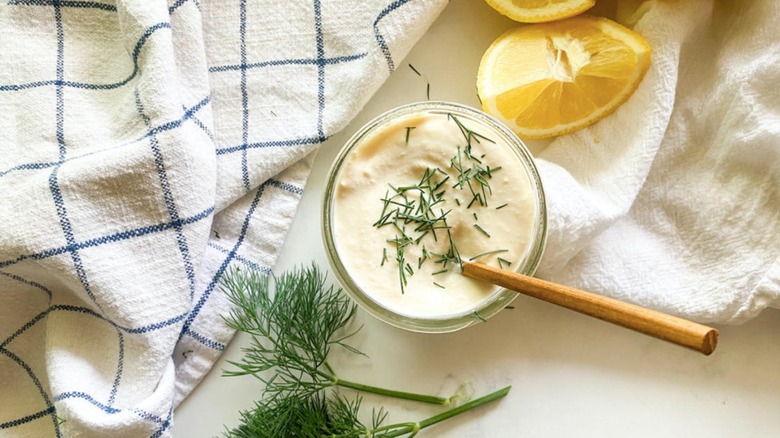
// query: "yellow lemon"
[[538, 11], [549, 79]]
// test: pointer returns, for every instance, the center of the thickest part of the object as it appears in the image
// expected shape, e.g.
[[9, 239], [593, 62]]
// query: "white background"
[[571, 375]]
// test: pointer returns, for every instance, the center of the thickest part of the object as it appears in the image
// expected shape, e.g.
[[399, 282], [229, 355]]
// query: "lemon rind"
[[540, 15]]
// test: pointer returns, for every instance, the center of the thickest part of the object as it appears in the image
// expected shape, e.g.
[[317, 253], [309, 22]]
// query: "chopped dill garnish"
[[502, 261], [468, 134], [501, 206], [384, 256], [440, 271], [408, 130], [476, 315], [481, 229], [438, 285], [427, 82], [476, 197], [488, 253], [415, 216], [416, 211]]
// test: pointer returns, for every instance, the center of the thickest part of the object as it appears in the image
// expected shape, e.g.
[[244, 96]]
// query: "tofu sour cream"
[[415, 194]]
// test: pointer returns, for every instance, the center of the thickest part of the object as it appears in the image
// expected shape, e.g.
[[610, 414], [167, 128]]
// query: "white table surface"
[[571, 375]]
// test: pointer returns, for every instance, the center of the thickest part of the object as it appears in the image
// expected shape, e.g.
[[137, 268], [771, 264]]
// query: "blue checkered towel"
[[146, 147]]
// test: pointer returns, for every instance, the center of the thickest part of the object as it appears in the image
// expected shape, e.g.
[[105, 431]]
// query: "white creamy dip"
[[380, 175]]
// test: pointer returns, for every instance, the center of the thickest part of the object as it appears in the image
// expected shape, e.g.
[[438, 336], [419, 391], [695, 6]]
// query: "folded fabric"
[[673, 202], [149, 146], [146, 147]]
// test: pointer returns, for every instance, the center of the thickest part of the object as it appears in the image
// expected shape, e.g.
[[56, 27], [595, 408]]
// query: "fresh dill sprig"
[[335, 416], [292, 332]]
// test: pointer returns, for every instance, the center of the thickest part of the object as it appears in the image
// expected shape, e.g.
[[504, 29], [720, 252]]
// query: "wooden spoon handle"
[[660, 325]]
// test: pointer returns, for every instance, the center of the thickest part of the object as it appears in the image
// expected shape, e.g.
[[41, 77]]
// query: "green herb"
[[475, 174], [428, 84], [336, 417], [502, 262], [384, 256], [501, 206], [291, 332], [438, 285], [412, 209], [476, 197], [408, 130], [482, 230], [415, 208], [468, 134], [478, 316], [401, 242], [488, 253]]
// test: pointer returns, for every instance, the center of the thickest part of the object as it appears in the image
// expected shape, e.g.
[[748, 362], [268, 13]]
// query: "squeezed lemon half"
[[549, 79], [538, 11]]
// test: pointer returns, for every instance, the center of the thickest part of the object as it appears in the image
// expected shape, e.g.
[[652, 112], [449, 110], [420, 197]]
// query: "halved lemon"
[[549, 79], [539, 11]]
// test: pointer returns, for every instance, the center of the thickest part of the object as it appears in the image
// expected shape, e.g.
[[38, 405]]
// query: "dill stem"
[[391, 393], [453, 412]]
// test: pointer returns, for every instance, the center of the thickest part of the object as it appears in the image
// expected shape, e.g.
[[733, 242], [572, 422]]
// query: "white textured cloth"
[[145, 146], [673, 202]]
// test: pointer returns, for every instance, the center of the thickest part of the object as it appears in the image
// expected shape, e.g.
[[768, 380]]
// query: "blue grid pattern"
[[176, 222]]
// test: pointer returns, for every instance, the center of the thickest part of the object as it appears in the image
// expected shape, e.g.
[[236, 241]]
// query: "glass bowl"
[[484, 308]]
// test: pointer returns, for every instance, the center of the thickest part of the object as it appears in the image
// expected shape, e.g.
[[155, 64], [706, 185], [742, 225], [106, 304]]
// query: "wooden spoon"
[[660, 325]]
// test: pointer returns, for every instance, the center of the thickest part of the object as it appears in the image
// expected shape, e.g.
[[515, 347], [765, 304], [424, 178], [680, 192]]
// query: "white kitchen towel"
[[145, 147], [673, 202]]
